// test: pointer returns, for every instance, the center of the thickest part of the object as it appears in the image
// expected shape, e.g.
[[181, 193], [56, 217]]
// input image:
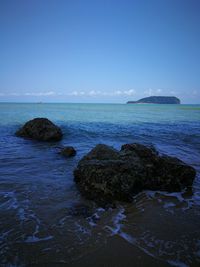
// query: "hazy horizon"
[[68, 102]]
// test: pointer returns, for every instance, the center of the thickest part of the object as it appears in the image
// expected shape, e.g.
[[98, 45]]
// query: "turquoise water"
[[38, 197], [14, 113]]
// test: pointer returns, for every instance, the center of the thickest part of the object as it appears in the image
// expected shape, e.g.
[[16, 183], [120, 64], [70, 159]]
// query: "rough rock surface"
[[68, 151], [106, 174], [40, 129]]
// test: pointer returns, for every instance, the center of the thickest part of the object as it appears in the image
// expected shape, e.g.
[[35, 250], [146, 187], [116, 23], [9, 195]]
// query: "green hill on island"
[[157, 100]]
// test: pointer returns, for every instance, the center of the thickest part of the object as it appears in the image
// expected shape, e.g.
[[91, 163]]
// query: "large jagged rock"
[[40, 129], [106, 174]]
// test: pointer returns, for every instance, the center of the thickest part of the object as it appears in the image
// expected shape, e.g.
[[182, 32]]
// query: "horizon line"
[[60, 102]]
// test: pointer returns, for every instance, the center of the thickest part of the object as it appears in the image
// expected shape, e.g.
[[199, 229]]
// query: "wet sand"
[[117, 253]]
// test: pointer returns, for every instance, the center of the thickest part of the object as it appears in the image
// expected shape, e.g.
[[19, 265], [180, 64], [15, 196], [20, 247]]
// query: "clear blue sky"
[[99, 50]]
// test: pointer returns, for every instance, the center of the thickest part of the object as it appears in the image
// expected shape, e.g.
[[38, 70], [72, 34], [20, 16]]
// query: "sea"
[[44, 220]]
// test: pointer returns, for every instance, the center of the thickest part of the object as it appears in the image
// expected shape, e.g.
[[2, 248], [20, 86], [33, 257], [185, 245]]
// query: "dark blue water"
[[39, 199]]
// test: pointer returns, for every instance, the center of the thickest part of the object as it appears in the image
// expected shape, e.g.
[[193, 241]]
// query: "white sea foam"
[[34, 239], [92, 220], [169, 205], [177, 263], [188, 202], [82, 229], [128, 238], [177, 195], [117, 219]]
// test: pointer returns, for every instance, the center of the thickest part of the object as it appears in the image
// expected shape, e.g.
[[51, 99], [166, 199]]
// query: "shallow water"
[[44, 220]]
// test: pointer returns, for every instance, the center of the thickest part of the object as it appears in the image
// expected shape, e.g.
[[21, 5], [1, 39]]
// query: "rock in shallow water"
[[106, 174], [40, 129], [68, 151]]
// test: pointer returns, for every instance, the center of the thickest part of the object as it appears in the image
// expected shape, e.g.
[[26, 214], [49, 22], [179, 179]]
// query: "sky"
[[108, 51]]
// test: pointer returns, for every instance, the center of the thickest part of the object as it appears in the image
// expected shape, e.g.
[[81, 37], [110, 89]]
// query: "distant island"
[[157, 100]]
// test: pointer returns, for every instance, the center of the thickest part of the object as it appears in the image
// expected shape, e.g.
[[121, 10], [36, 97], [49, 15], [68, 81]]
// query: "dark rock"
[[106, 174], [102, 152], [68, 151], [40, 129]]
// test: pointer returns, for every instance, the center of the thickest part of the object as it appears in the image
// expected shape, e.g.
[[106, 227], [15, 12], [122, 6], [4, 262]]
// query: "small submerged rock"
[[106, 174], [40, 129], [68, 151]]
